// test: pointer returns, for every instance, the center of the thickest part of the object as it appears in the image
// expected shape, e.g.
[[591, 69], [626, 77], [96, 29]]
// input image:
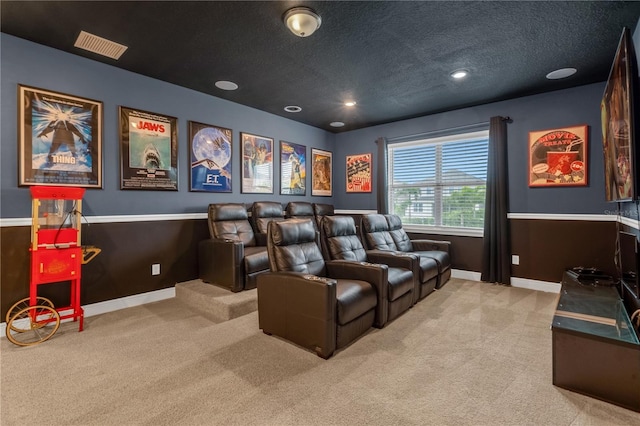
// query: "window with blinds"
[[438, 184]]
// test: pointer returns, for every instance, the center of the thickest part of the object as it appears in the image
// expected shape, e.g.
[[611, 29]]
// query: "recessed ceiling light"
[[458, 74], [336, 124], [292, 108], [350, 103], [226, 85], [561, 73]]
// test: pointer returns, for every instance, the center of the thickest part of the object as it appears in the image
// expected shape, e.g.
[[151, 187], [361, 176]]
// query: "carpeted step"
[[215, 302]]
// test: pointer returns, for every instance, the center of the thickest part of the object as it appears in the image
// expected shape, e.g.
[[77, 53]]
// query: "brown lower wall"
[[123, 268]]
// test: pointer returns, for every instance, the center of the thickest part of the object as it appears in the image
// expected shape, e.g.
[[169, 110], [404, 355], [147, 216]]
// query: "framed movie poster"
[[293, 169], [558, 157], [210, 149], [257, 164], [321, 172], [60, 138], [148, 150], [359, 173]]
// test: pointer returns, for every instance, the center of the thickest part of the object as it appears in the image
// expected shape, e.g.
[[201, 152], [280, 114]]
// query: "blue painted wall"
[[539, 112], [23, 62]]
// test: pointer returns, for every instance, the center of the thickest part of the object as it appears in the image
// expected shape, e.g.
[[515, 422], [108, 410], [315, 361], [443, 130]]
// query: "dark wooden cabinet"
[[596, 351]]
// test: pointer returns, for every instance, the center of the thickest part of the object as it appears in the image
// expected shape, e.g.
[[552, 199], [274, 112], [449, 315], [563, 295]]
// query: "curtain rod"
[[433, 133]]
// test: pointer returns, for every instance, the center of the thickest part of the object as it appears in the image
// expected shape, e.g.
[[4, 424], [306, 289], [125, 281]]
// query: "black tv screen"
[[619, 124]]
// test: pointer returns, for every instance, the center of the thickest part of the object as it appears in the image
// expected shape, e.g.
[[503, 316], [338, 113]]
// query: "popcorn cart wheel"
[[56, 255]]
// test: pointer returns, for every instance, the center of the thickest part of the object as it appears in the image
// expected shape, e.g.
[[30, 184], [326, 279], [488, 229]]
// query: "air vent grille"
[[99, 45]]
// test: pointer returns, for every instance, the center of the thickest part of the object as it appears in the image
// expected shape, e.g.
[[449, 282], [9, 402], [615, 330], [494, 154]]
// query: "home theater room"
[[320, 212]]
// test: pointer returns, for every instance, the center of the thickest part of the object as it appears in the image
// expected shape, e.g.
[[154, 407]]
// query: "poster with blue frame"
[[60, 138], [210, 149], [293, 169]]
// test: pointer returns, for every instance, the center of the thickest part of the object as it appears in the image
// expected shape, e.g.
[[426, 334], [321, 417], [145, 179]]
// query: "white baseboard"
[[117, 304], [546, 286]]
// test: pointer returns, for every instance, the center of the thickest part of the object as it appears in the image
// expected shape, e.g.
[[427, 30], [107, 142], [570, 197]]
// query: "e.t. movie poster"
[[60, 139], [210, 157], [148, 150]]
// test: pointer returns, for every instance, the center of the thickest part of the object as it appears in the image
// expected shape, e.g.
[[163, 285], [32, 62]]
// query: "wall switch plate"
[[155, 269], [515, 259]]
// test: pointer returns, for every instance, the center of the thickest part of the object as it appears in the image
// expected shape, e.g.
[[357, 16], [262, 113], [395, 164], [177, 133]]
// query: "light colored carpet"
[[469, 354]]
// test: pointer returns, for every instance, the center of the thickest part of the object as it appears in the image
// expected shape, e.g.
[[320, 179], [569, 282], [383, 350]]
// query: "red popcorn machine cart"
[[56, 256]]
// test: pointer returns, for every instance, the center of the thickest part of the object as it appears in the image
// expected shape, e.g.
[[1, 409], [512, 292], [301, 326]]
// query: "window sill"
[[443, 230]]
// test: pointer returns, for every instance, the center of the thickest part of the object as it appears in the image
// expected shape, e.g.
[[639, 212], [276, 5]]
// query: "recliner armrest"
[[220, 262], [426, 245], [375, 274], [299, 307], [396, 259]]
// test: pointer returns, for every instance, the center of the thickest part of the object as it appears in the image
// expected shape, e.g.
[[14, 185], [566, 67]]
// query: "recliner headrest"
[[336, 226], [374, 223], [266, 209], [229, 211], [323, 209], [292, 231], [299, 208], [394, 221]]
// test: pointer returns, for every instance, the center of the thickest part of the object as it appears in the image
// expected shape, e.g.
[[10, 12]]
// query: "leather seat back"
[[300, 210], [398, 234], [263, 212], [321, 210], [376, 234], [292, 246], [230, 221], [340, 239]]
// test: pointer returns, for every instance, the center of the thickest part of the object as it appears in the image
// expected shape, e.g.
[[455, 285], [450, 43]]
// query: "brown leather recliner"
[[319, 305], [231, 258], [340, 242], [376, 235], [263, 212]]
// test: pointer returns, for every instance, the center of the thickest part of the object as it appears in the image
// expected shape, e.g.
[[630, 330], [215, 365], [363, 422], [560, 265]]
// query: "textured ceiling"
[[393, 57]]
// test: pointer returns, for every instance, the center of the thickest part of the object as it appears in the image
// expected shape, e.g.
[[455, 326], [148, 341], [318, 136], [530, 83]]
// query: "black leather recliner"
[[321, 210], [320, 305], [376, 235], [263, 212], [437, 250], [300, 210], [231, 258], [340, 242]]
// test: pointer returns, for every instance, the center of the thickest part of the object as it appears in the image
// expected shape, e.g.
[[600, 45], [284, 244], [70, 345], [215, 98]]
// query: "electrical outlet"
[[515, 259], [155, 269]]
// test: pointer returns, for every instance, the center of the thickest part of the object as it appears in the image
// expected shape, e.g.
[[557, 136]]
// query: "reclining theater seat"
[[319, 305], [263, 212], [230, 258], [300, 210], [437, 250], [321, 210], [376, 235], [340, 242]]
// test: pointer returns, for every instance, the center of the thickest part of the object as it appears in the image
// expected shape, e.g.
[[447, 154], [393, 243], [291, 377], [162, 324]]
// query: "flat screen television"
[[629, 261], [619, 124]]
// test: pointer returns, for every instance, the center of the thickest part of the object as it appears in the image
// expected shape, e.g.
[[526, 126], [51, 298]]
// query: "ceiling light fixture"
[[458, 74], [302, 21], [336, 124], [292, 108], [561, 73], [226, 85], [350, 103]]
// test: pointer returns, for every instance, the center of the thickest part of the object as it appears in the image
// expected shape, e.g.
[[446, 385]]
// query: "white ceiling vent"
[[99, 45]]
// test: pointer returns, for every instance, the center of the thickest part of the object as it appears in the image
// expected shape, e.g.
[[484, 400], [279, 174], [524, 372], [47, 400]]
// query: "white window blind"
[[438, 184]]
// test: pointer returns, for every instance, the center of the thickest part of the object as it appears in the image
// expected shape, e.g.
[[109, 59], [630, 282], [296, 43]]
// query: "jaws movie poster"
[[149, 150]]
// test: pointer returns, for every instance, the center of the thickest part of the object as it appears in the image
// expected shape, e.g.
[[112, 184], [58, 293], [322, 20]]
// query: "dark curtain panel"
[[496, 262], [381, 194]]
